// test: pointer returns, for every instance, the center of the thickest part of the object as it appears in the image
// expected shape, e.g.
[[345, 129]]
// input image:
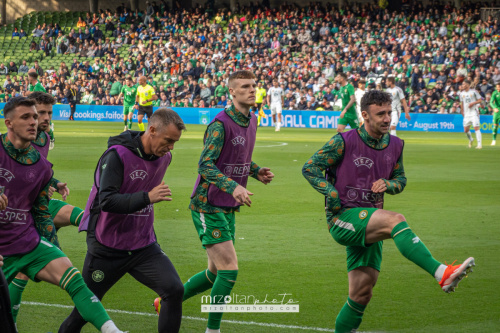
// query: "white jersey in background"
[[358, 94], [467, 97], [471, 115], [275, 95], [397, 95]]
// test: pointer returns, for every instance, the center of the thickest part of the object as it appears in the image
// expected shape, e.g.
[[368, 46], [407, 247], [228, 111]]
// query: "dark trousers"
[[6, 321], [149, 266], [73, 109]]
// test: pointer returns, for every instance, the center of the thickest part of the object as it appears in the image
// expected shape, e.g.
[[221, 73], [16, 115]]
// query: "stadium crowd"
[[188, 55]]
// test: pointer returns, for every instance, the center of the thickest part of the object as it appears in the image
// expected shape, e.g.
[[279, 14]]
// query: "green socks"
[[413, 249], [129, 124], [85, 301], [223, 285], [350, 317], [495, 131], [16, 288], [198, 283], [76, 216]]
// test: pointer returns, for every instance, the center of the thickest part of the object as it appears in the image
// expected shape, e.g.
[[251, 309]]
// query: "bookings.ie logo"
[[249, 303]]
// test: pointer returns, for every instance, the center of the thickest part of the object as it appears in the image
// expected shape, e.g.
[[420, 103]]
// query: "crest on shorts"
[[363, 214], [98, 276], [216, 233]]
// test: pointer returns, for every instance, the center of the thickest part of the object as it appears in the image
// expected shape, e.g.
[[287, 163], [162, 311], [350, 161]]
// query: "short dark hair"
[[377, 97], [42, 98], [344, 75], [165, 117], [13, 103], [33, 75], [391, 79]]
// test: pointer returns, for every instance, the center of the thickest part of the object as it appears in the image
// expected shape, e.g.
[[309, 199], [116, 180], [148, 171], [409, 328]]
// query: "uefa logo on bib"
[[239, 140], [141, 174]]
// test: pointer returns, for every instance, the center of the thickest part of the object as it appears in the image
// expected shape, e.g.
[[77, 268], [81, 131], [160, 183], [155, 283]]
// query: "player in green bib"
[[495, 104], [348, 115], [129, 92]]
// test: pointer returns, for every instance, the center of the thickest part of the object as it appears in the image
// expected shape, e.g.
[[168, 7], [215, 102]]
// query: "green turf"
[[451, 201]]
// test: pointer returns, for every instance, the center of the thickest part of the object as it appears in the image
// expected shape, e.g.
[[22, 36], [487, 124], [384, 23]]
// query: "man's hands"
[[342, 114], [265, 175], [241, 195], [62, 189], [160, 193], [379, 186], [3, 202]]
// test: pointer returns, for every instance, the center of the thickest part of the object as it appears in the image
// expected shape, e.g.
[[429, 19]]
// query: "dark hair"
[[377, 97], [13, 103], [33, 75], [344, 75], [391, 79], [42, 98], [165, 117]]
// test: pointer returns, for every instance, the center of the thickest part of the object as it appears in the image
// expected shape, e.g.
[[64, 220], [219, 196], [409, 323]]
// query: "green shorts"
[[496, 118], [214, 228], [349, 119], [128, 109], [33, 262], [55, 206], [349, 230]]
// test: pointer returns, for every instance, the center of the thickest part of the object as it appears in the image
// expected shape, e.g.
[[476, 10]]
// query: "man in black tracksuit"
[[119, 218]]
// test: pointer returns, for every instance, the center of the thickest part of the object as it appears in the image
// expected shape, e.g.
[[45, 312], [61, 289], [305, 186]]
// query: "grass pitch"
[[451, 202]]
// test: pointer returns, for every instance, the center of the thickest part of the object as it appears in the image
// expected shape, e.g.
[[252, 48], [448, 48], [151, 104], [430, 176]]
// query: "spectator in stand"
[[12, 67]]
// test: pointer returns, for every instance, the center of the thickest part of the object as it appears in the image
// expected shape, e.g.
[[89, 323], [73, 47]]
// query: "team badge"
[[216, 233], [363, 214], [98, 276], [31, 175]]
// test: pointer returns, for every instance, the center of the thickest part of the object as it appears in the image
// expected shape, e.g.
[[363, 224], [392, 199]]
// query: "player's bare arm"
[[407, 109], [352, 100]]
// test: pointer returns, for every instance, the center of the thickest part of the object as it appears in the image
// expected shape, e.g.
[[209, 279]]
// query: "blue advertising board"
[[423, 122]]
